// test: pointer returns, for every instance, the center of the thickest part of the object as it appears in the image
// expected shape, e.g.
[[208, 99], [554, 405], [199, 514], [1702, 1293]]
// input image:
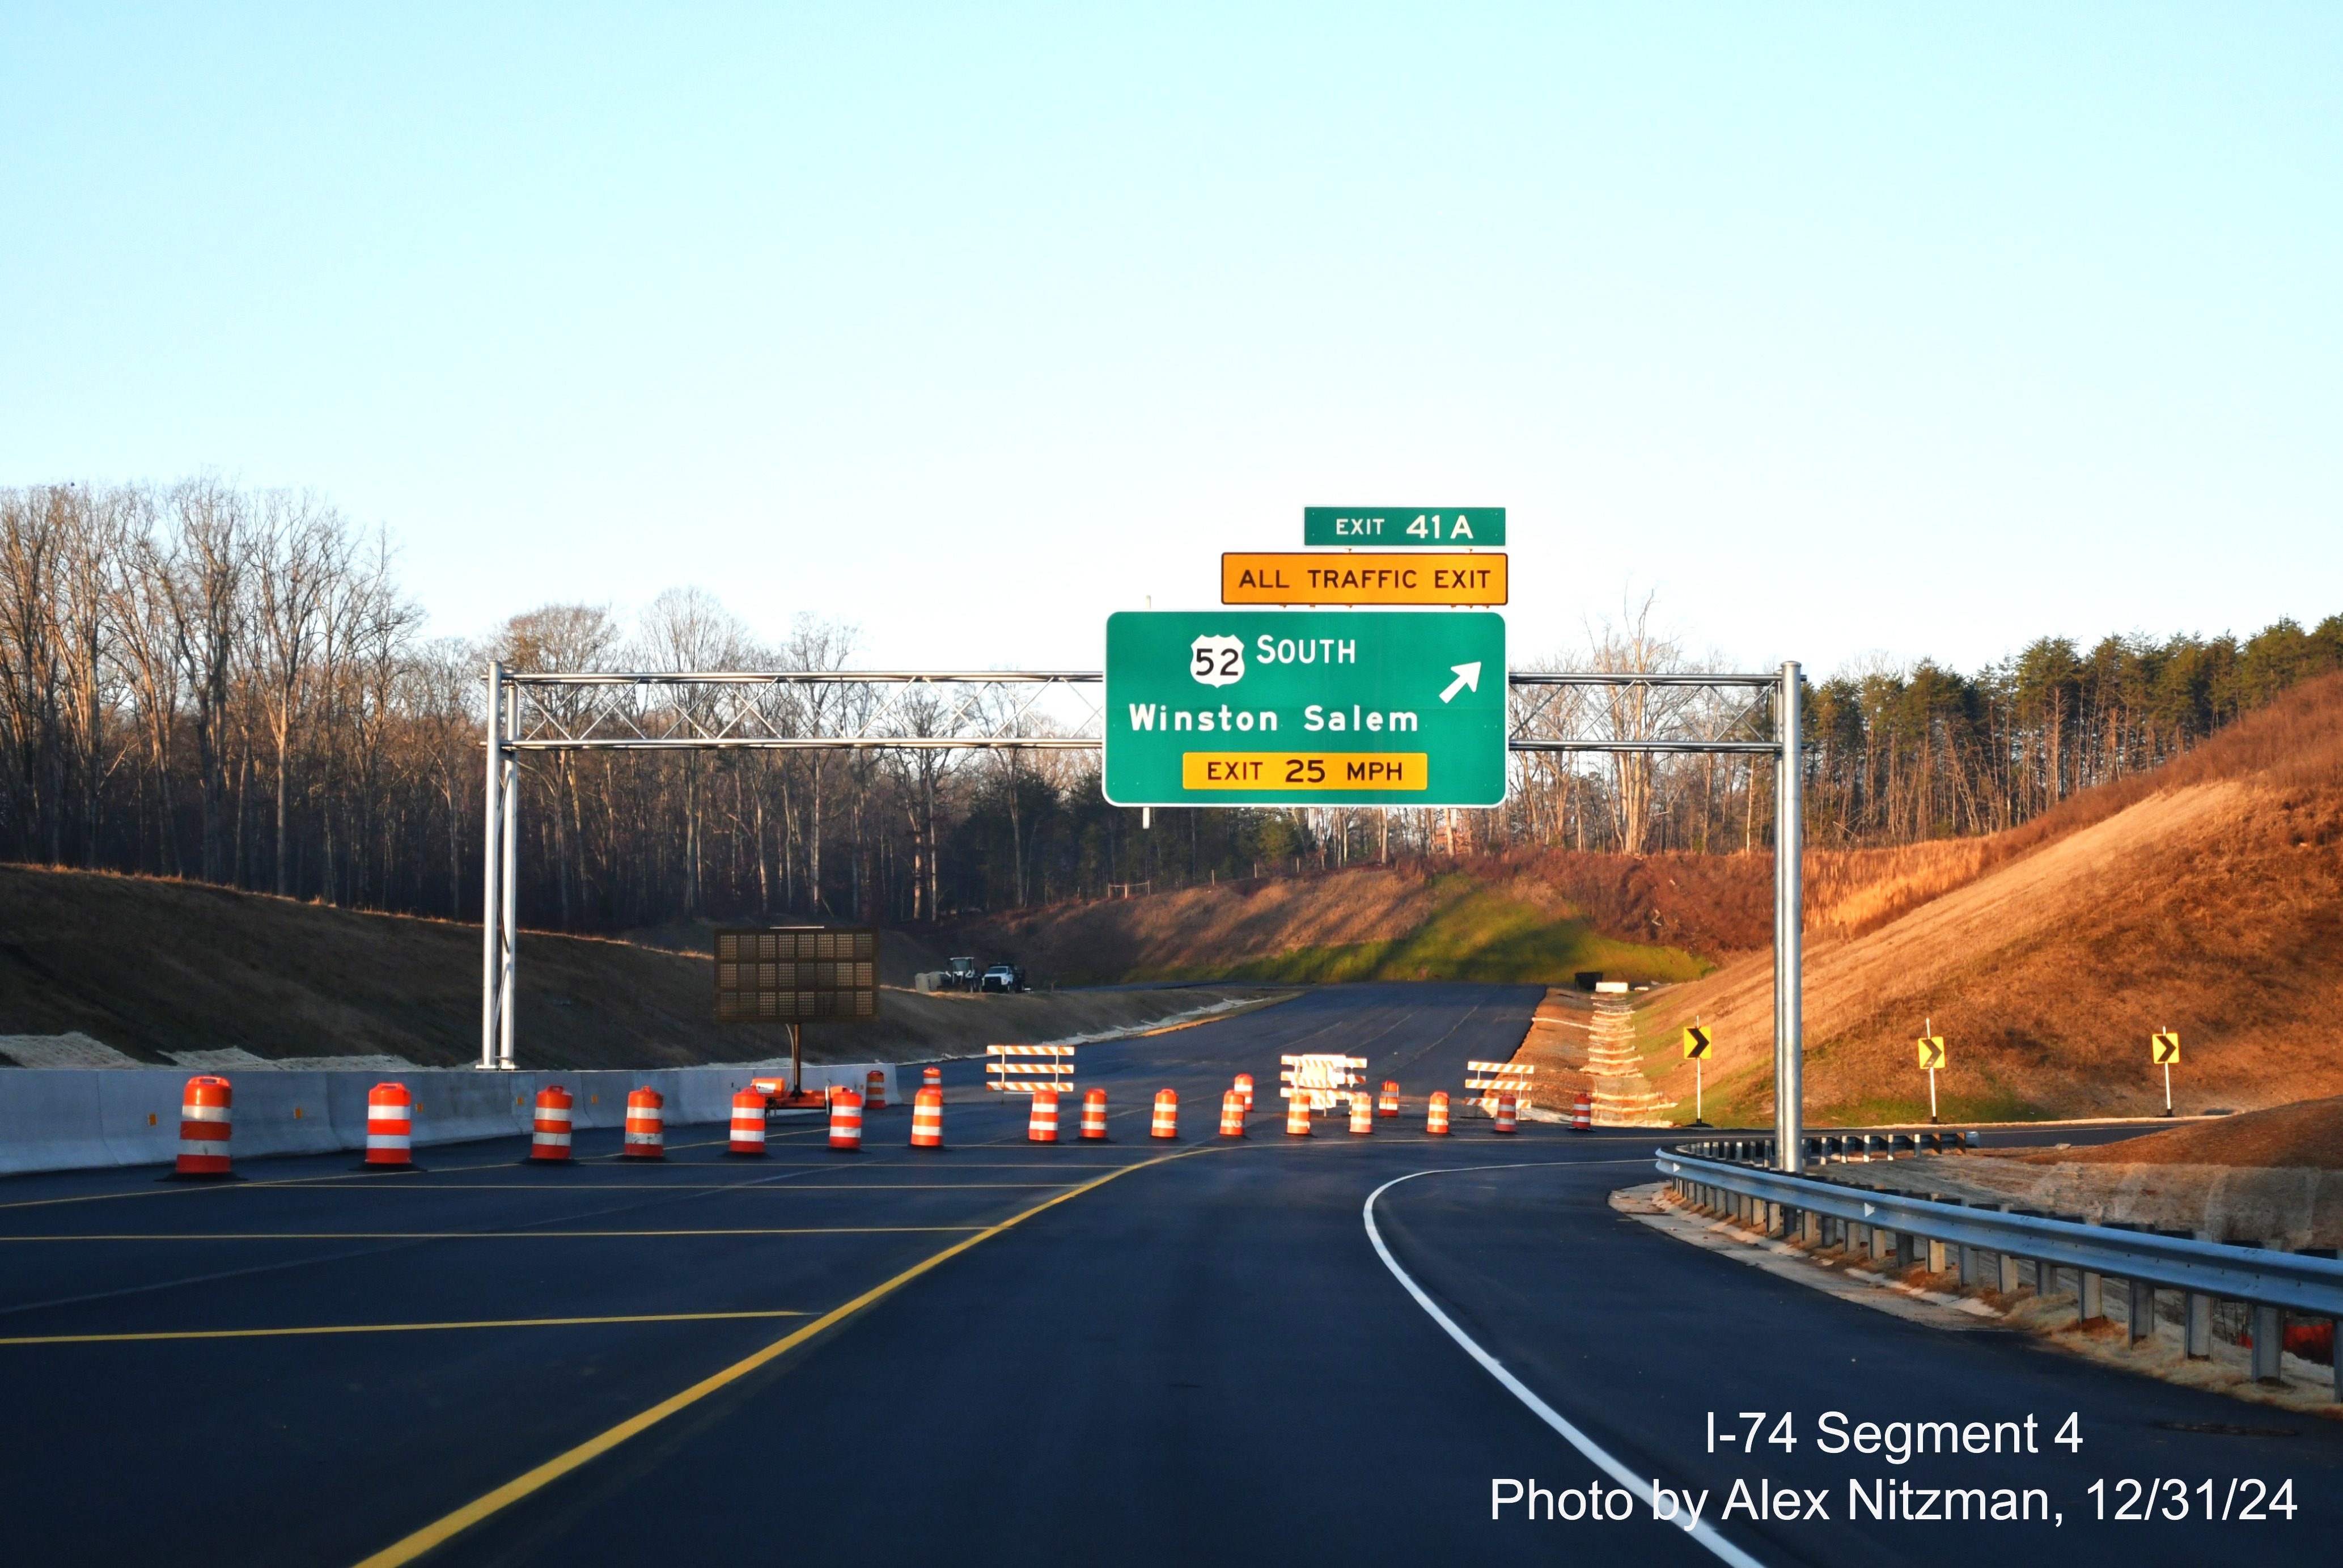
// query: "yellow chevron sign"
[[1932, 1051], [2164, 1050], [1696, 1043]]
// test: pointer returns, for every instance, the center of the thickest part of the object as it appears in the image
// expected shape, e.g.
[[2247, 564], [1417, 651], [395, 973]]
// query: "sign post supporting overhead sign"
[[1405, 528], [1318, 708], [1448, 579]]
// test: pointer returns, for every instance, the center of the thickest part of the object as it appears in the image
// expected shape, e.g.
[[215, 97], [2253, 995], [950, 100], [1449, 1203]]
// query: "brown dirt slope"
[[2286, 1137], [149, 966], [2207, 896]]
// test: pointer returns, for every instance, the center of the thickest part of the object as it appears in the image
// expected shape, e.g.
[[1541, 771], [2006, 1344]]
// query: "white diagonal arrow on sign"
[[1467, 675]]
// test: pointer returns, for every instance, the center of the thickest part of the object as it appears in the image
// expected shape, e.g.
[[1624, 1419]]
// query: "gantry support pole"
[[1789, 926], [509, 820], [492, 938]]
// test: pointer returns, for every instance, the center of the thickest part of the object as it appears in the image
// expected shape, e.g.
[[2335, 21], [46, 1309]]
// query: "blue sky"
[[1842, 329]]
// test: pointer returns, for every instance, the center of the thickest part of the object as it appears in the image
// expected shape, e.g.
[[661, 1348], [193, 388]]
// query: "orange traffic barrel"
[[928, 1118], [1232, 1114], [1363, 1112], [645, 1125], [204, 1123], [1297, 1114], [1167, 1115], [390, 1125], [1245, 1087], [874, 1090], [1094, 1113], [748, 1123], [1041, 1126], [1505, 1114], [932, 1078], [1389, 1104], [550, 1138], [1435, 1113], [846, 1122], [1582, 1113]]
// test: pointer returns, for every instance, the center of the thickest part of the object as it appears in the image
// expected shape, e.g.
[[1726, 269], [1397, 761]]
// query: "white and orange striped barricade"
[[1582, 1113], [928, 1118], [206, 1121], [1363, 1112], [1324, 1078], [1435, 1114], [1094, 1114], [1495, 1078], [748, 1123], [1167, 1115], [1245, 1087], [846, 1122], [390, 1125], [874, 1091], [1232, 1114], [933, 1078], [1042, 1123], [1297, 1116], [1022, 1069], [1504, 1112], [645, 1125], [549, 1133], [1387, 1103]]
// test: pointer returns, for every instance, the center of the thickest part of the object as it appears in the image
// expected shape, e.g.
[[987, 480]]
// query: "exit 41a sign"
[[1305, 707], [1405, 528]]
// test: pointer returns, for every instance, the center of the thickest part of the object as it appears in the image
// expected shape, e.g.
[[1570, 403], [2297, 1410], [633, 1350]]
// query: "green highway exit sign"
[[1400, 527], [1305, 707]]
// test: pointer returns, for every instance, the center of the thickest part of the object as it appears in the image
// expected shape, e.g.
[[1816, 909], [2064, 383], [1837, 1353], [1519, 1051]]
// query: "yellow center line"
[[385, 1328], [491, 1235], [445, 1528], [734, 1186]]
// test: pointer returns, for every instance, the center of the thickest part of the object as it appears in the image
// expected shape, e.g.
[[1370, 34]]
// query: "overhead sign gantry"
[[1379, 707]]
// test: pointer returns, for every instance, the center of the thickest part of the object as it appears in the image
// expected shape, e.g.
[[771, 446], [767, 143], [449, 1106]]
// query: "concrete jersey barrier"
[[80, 1118]]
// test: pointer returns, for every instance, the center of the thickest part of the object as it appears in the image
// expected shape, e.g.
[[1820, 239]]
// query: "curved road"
[[1133, 1352]]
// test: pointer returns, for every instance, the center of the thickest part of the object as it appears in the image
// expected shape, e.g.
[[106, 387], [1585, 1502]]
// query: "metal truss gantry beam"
[[1550, 711]]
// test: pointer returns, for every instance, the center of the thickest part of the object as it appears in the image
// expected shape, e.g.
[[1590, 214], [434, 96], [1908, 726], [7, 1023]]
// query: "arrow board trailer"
[[1305, 707]]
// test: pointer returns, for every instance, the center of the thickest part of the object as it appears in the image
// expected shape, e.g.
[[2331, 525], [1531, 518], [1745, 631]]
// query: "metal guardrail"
[[2296, 1281]]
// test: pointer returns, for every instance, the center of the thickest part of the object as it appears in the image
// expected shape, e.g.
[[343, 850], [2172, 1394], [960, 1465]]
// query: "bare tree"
[[1631, 646], [689, 629], [301, 554], [202, 583]]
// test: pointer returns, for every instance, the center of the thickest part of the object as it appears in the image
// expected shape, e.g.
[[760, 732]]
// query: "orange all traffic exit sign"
[[1454, 578]]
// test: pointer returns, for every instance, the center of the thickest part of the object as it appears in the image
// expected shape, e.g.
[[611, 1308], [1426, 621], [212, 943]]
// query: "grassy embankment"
[[1477, 934], [1364, 924]]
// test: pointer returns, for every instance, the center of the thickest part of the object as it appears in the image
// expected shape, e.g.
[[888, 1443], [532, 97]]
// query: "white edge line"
[[1704, 1532]]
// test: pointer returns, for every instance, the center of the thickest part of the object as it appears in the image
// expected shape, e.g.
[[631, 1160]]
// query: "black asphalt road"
[[1202, 1358]]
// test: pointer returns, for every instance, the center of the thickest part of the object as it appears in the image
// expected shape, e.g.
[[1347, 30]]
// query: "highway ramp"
[[1139, 1351]]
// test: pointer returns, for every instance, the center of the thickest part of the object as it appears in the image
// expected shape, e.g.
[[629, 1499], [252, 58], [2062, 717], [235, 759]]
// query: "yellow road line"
[[488, 1235], [445, 1528], [385, 1328], [737, 1186]]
